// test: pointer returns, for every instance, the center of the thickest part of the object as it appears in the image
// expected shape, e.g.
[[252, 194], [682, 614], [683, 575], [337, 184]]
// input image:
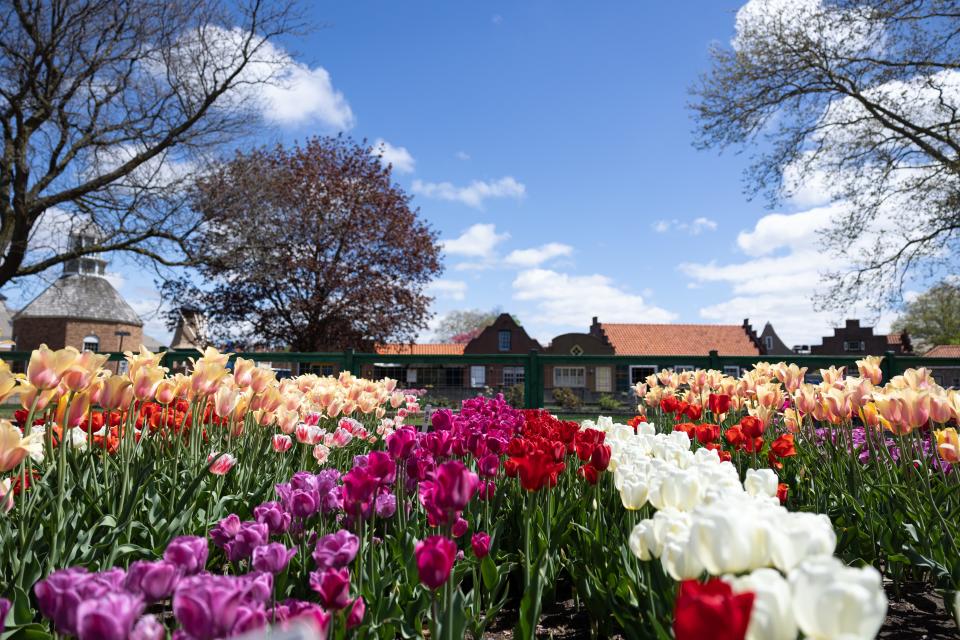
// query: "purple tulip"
[[250, 536], [358, 490], [272, 558], [305, 481], [332, 587], [489, 465], [400, 443], [435, 556], [455, 485], [209, 606], [380, 466], [154, 580], [336, 550], [355, 617], [225, 530], [187, 552], [148, 628], [108, 617], [480, 541], [302, 610], [385, 505], [59, 595], [272, 515], [460, 527], [5, 606], [303, 503]]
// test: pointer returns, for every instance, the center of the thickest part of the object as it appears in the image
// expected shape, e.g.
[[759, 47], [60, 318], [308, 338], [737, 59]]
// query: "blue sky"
[[549, 144]]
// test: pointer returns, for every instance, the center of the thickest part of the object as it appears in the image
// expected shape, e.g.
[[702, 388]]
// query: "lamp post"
[[121, 335]]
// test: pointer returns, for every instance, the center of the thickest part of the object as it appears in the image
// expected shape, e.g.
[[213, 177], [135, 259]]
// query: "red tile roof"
[[423, 349], [894, 338], [679, 339], [944, 351]]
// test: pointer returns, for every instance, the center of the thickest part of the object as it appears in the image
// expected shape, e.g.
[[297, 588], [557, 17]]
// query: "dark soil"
[[917, 615]]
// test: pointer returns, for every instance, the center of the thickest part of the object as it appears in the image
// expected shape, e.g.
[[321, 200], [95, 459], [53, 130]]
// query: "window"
[[639, 373], [478, 376], [768, 342], [503, 341], [91, 343], [731, 370], [576, 350], [322, 369], [453, 376], [571, 377], [512, 376], [683, 367], [604, 380], [394, 371], [411, 375], [853, 345]]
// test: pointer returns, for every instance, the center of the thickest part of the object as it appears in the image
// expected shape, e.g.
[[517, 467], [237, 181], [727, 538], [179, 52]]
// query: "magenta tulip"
[[480, 541], [188, 552], [332, 587], [435, 556]]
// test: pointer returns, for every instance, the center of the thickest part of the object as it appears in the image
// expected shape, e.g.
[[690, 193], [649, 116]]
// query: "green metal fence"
[[534, 364]]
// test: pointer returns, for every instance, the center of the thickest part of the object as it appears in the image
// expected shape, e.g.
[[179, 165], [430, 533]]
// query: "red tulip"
[[782, 490], [752, 426], [718, 403], [783, 446], [693, 411], [669, 404], [707, 433], [711, 610], [735, 437]]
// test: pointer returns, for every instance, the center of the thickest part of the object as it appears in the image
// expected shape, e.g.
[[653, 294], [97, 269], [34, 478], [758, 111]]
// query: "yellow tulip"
[[948, 445]]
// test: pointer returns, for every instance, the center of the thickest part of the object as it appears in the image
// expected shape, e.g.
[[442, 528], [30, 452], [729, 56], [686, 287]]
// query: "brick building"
[[80, 309], [945, 376], [854, 340]]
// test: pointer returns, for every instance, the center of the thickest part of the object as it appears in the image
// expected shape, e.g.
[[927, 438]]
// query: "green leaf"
[[491, 577]]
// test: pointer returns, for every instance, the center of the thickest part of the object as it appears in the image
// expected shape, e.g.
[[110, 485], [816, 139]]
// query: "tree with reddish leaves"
[[311, 247]]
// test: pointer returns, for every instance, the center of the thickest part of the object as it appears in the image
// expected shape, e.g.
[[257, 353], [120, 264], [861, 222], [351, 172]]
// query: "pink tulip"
[[222, 464], [281, 443]]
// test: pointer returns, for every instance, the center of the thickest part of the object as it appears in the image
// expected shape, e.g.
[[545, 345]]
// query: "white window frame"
[[680, 368], [732, 370], [518, 374], [478, 376], [655, 368], [860, 346], [566, 378], [504, 333], [768, 342], [604, 383], [91, 339]]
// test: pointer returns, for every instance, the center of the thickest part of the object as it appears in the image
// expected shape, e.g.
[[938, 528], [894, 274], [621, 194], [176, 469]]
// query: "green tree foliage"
[[933, 317]]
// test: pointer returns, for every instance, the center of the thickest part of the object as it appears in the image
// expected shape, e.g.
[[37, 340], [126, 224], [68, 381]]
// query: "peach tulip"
[[806, 398], [82, 371], [225, 401], [117, 393], [13, 446], [145, 382], [75, 414], [915, 407], [143, 358], [31, 397], [8, 381], [940, 408], [46, 367], [243, 372], [790, 375], [869, 368], [166, 391], [792, 420], [832, 375]]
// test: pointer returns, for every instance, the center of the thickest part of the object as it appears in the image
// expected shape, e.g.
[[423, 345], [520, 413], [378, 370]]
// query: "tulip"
[[679, 560], [145, 380], [220, 464], [46, 367], [832, 600], [869, 368], [948, 445], [72, 412], [332, 587], [189, 553], [148, 628], [752, 426], [166, 391], [385, 505], [153, 581], [730, 538], [633, 493], [272, 515], [336, 550], [117, 393], [82, 371], [761, 482], [796, 536], [5, 606], [435, 556], [8, 381], [243, 372], [281, 443], [272, 558], [321, 453], [225, 400], [772, 615], [711, 610], [13, 446], [480, 542], [357, 611], [109, 617]]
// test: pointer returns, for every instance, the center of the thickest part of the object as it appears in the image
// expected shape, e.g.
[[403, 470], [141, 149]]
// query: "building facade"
[[855, 340]]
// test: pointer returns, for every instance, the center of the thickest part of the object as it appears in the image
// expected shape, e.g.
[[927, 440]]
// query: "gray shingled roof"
[[81, 296]]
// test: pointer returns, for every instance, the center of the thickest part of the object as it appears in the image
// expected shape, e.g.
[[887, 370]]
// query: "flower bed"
[[225, 501]]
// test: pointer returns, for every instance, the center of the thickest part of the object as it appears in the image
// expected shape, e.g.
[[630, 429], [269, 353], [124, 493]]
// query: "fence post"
[[531, 380], [714, 359], [889, 365], [348, 361]]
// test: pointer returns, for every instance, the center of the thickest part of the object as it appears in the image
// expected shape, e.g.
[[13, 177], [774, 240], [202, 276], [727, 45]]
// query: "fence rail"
[[533, 363]]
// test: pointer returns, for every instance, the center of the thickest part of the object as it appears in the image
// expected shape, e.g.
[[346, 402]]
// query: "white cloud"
[[448, 289], [302, 95], [473, 194], [695, 227], [562, 299], [538, 255], [397, 157], [479, 241], [462, 155]]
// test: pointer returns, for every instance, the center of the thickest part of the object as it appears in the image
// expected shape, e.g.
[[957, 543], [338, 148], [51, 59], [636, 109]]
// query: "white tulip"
[[633, 493], [761, 482], [78, 439], [730, 536], [799, 535], [834, 601], [679, 560], [676, 488], [642, 542], [772, 614], [646, 429]]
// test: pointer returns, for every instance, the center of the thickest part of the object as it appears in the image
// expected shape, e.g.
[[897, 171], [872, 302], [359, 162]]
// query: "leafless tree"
[[861, 99], [108, 107]]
